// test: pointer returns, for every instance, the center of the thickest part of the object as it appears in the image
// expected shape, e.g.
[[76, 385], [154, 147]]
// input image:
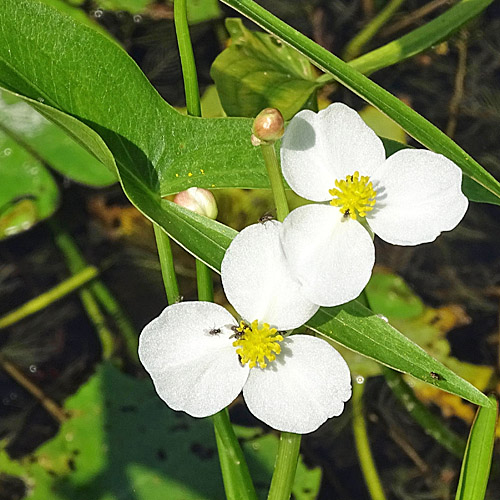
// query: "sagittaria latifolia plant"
[[308, 269]]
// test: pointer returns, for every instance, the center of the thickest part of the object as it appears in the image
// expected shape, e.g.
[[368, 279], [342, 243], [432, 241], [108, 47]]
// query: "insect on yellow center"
[[257, 345], [355, 196]]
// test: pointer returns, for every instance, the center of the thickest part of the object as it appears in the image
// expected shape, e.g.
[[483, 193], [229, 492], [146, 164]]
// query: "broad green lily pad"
[[122, 442]]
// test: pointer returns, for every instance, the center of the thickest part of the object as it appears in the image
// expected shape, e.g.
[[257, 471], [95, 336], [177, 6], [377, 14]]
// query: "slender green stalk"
[[50, 296], [188, 64], [355, 46], [289, 446], [421, 38], [274, 174], [167, 265], [98, 293], [99, 321], [104, 296], [237, 481], [204, 282], [285, 467], [366, 461], [432, 425]]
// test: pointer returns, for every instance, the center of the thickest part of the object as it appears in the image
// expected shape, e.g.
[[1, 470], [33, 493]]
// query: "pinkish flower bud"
[[198, 200], [268, 127]]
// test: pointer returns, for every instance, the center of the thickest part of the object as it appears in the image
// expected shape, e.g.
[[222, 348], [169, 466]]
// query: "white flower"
[[200, 358], [407, 199]]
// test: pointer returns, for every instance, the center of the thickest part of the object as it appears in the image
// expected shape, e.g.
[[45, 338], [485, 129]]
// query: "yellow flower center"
[[256, 344], [355, 196]]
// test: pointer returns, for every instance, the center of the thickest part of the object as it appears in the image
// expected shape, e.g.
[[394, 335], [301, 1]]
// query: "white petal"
[[332, 257], [419, 195], [308, 383], [319, 148], [257, 282], [194, 369]]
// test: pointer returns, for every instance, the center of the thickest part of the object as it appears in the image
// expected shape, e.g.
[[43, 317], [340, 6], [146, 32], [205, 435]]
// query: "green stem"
[[285, 466], [95, 315], [237, 481], [167, 265], [366, 461], [421, 38], [432, 425], [274, 174], [188, 64], [50, 296], [96, 292], [204, 282], [289, 446], [129, 334], [355, 46]]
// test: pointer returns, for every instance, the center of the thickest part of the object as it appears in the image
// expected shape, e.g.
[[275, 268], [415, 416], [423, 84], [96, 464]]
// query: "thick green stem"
[[167, 265], [274, 174], [50, 296], [366, 461], [237, 481], [355, 46], [188, 64], [285, 466]]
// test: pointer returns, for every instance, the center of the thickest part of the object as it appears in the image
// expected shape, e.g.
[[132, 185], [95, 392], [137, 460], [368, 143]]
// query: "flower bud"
[[198, 200], [268, 127]]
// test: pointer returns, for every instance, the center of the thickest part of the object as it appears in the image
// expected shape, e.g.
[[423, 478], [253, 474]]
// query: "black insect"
[[237, 332], [347, 213], [266, 218], [435, 376], [214, 331]]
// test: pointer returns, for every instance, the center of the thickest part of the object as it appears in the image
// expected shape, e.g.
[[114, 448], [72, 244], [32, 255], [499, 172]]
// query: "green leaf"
[[382, 125], [359, 329], [391, 296], [28, 193], [413, 123], [477, 459], [74, 10], [50, 144], [258, 71], [420, 39], [123, 443], [199, 11]]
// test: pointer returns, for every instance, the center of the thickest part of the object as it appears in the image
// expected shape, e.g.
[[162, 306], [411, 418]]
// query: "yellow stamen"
[[355, 196], [256, 344]]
